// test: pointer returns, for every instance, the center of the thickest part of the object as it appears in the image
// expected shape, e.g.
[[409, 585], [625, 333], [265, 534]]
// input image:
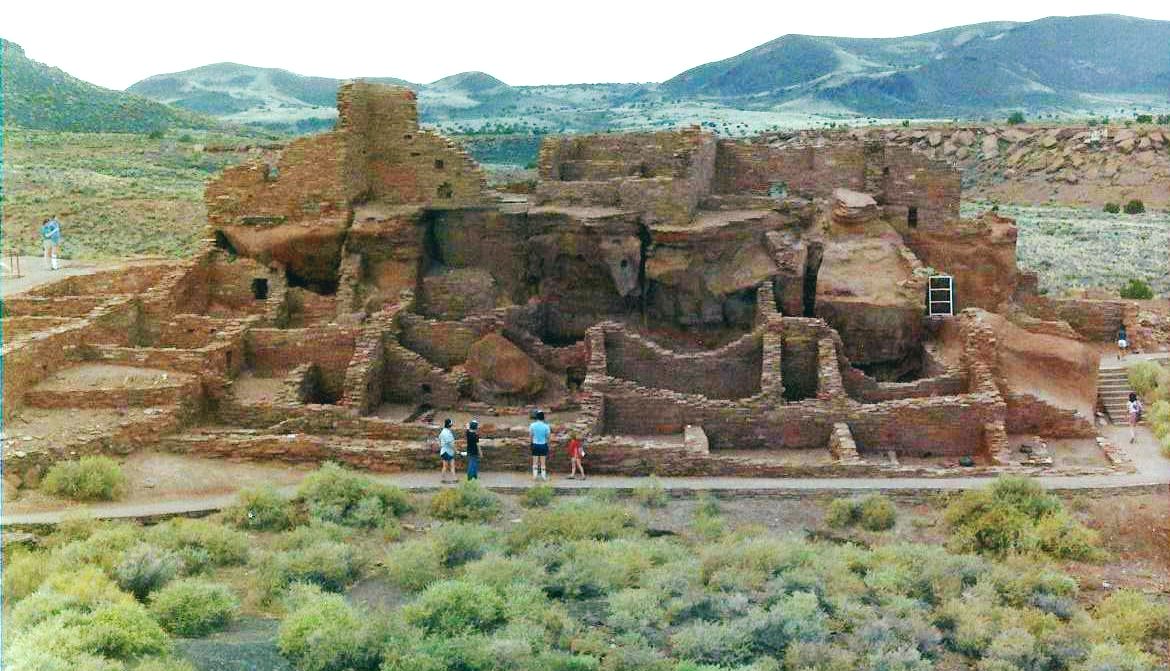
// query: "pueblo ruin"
[[692, 305]]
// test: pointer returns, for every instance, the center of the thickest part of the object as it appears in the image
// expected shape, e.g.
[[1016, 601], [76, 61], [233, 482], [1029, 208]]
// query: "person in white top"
[[447, 451], [1135, 415]]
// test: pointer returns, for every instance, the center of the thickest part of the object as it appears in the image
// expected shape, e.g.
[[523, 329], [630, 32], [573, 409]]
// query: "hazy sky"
[[114, 44]]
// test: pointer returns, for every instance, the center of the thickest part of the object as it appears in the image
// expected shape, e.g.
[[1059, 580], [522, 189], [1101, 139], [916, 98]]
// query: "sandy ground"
[[34, 273]]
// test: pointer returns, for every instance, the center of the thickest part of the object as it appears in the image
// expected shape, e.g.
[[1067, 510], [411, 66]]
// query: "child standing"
[[447, 451], [576, 454]]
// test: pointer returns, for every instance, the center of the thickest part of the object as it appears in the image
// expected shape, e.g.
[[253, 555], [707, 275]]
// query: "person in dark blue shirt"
[[473, 451]]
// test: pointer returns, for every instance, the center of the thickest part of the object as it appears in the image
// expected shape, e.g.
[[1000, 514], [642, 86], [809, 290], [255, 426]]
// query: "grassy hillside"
[[43, 97], [118, 194]]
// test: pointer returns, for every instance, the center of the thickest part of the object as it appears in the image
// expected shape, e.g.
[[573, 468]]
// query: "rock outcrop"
[[500, 367]]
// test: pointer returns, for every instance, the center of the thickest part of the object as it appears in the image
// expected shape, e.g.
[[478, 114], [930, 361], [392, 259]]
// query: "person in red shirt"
[[576, 454]]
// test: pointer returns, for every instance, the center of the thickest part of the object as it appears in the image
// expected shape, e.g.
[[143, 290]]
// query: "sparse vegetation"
[[338, 495], [92, 478], [1015, 118], [468, 502], [193, 607], [1112, 208], [537, 497], [651, 493], [874, 513], [262, 509], [1134, 207]]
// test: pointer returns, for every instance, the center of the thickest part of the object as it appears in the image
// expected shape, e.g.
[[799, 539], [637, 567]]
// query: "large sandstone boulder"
[[852, 207], [502, 368]]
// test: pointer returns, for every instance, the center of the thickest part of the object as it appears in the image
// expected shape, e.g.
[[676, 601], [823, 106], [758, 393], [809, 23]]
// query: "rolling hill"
[[41, 97]]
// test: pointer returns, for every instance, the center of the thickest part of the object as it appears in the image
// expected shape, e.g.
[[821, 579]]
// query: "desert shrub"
[[24, 571], [338, 495], [123, 631], [1134, 206], [469, 502], [1148, 379], [635, 655], [145, 568], [1137, 289], [537, 497], [1163, 119], [84, 590], [1015, 515], [708, 505], [877, 513], [590, 568], [1115, 657], [415, 564], [324, 633], [93, 478], [708, 527], [261, 509], [453, 607], [1112, 208], [634, 609], [651, 494], [1015, 118], [573, 520], [317, 558], [842, 513], [503, 573], [165, 664], [1127, 616], [193, 607], [104, 546], [201, 543], [718, 643], [795, 617]]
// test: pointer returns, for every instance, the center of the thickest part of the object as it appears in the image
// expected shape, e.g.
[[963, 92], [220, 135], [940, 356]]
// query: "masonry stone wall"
[[1095, 320], [732, 371], [276, 352]]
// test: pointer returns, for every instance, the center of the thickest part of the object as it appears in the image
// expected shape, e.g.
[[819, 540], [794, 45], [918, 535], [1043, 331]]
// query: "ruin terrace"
[[693, 305]]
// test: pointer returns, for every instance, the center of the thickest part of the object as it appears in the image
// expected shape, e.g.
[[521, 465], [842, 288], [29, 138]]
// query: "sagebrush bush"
[[876, 512], [719, 643], [93, 478], [1112, 208], [503, 573], [123, 631], [1115, 657], [1127, 616], [201, 543], [573, 520], [24, 571], [324, 633], [338, 495], [145, 569], [651, 493], [537, 497], [453, 607], [1136, 289], [1148, 379], [328, 564], [842, 513], [468, 502], [262, 509], [635, 609], [83, 590], [193, 607], [1015, 515]]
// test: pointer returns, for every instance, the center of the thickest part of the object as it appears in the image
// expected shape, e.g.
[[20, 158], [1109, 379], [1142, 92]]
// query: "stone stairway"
[[1113, 393]]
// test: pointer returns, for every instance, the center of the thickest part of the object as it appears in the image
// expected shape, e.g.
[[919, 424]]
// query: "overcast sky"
[[114, 44]]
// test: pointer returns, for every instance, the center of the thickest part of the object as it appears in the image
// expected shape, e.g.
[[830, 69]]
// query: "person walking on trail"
[[447, 451], [1134, 406], [576, 454], [539, 431], [51, 241], [1122, 341], [473, 451]]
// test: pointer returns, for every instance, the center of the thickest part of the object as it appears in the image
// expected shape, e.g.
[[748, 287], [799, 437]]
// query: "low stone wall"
[[275, 352], [730, 372], [53, 306], [1029, 414]]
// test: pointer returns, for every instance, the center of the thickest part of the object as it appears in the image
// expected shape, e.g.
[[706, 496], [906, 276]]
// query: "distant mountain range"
[[43, 97], [1069, 65]]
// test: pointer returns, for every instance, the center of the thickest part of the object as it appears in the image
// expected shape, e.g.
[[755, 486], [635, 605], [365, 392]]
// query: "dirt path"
[[218, 482]]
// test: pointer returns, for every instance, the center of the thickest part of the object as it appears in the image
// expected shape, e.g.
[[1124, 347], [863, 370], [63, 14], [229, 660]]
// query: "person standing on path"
[[1122, 341], [540, 435], [447, 451], [1134, 406], [51, 241], [576, 454], [473, 451]]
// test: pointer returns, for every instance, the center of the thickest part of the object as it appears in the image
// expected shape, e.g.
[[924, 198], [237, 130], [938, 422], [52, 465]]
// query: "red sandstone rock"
[[502, 368]]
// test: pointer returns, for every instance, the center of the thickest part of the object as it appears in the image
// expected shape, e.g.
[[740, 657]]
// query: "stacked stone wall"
[[276, 352], [731, 372]]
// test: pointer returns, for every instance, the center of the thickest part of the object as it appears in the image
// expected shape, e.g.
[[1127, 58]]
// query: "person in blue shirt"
[[540, 435], [51, 241]]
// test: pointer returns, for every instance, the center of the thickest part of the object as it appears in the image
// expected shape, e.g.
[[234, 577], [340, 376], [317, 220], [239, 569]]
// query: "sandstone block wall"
[[276, 352]]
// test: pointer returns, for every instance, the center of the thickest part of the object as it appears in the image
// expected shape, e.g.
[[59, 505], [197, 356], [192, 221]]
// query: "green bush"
[[193, 607], [338, 495], [635, 609], [1148, 379], [537, 497], [1015, 118], [262, 509], [201, 543], [877, 513], [1127, 616], [1115, 657], [312, 559], [145, 569], [324, 633], [573, 520], [417, 563], [842, 513], [468, 502], [123, 631], [94, 478], [651, 494], [719, 643], [1134, 206], [454, 607], [1112, 208], [1137, 289], [1144, 118], [23, 573]]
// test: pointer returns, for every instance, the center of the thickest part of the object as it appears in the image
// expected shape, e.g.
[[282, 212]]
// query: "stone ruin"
[[692, 305]]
